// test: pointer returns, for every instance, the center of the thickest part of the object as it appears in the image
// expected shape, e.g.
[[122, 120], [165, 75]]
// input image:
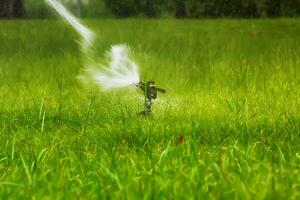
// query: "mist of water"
[[120, 71], [84, 32]]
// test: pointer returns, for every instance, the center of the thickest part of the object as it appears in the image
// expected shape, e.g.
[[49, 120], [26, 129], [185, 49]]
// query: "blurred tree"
[[273, 7], [78, 8], [180, 8], [123, 8], [95, 8], [12, 9], [250, 9], [155, 8], [209, 8], [290, 8], [38, 9], [150, 8]]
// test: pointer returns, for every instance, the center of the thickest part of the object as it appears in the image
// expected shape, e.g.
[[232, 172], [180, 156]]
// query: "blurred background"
[[155, 8]]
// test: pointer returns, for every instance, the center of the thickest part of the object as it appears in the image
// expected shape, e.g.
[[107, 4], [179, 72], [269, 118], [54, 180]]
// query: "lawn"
[[227, 128]]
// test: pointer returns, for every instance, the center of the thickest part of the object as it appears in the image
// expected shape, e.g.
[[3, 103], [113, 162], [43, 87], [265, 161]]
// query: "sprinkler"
[[150, 92]]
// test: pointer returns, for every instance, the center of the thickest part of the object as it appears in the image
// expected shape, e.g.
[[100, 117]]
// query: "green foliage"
[[37, 9], [174, 8], [95, 8], [151, 8], [232, 94], [12, 9], [126, 8], [206, 8], [3, 9], [290, 8], [90, 8], [123, 8]]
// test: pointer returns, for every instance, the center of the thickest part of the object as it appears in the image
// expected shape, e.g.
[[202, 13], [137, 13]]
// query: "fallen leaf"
[[180, 139]]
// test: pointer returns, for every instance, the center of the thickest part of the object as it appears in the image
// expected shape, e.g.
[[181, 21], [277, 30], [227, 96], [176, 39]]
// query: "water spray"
[[84, 32], [119, 71]]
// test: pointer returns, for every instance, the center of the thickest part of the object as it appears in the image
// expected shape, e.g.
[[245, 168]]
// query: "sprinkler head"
[[150, 92]]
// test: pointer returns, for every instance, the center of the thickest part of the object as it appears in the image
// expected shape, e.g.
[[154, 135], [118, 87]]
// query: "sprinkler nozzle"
[[150, 92]]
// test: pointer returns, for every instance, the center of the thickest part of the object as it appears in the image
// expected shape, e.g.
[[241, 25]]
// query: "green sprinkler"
[[150, 91]]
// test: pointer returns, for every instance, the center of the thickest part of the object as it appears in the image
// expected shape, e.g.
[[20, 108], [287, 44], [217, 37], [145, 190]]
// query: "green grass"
[[233, 93]]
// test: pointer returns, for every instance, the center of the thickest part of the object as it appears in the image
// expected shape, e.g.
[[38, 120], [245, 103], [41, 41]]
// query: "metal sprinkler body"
[[150, 92]]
